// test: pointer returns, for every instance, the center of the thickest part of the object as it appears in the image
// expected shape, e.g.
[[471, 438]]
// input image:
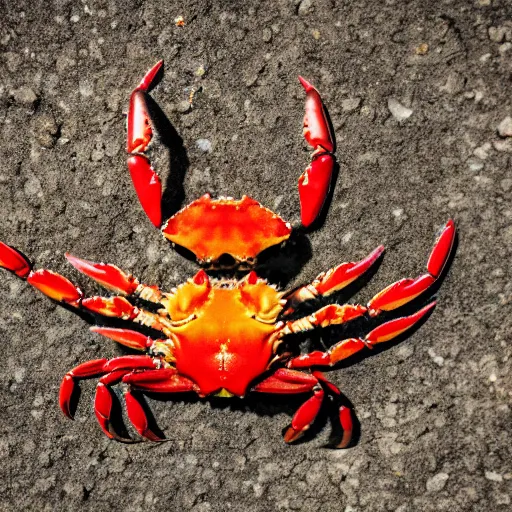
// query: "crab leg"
[[333, 314], [285, 381], [98, 367], [405, 290], [164, 380], [331, 281], [344, 412], [52, 284], [350, 346], [114, 279], [145, 180], [315, 181], [103, 402], [61, 289]]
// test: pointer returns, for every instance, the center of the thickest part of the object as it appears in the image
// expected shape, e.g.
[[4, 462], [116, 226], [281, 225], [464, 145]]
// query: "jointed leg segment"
[[350, 346], [285, 381]]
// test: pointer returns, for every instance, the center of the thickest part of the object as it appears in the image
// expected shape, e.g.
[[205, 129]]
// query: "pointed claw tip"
[[307, 86], [430, 306], [292, 435]]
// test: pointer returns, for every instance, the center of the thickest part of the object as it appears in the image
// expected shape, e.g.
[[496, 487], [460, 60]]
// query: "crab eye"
[[261, 300], [188, 297]]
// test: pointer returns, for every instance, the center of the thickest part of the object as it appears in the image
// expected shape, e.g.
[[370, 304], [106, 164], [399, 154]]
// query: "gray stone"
[[399, 111], [437, 482], [24, 96], [204, 145], [350, 104], [505, 127], [184, 106], [305, 7]]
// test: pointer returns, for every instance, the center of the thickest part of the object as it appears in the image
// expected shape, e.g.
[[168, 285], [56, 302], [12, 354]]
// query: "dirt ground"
[[419, 94]]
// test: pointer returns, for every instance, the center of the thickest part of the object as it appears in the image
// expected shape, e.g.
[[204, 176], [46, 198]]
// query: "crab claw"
[[148, 187], [55, 286], [314, 183], [145, 180], [139, 128], [117, 307], [138, 418], [109, 276], [13, 260], [316, 127], [314, 186]]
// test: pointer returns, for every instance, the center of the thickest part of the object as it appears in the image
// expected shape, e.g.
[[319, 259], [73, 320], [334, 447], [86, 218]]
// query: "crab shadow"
[[173, 191]]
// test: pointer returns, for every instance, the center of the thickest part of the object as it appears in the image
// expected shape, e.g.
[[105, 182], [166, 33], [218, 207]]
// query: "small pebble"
[[493, 476], [367, 112], [183, 107], [305, 7], [24, 96], [267, 35], [505, 127], [505, 47], [204, 145], [482, 152], [475, 165], [45, 130], [19, 375], [437, 482], [398, 111], [350, 104], [454, 84], [506, 184], [497, 34], [422, 49], [503, 145]]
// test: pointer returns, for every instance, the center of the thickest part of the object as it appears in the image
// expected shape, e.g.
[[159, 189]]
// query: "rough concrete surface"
[[419, 93]]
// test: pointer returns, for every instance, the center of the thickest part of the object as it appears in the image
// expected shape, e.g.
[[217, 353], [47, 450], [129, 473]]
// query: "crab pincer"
[[315, 181], [146, 181]]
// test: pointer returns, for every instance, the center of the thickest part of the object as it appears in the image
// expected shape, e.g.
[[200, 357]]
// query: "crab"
[[226, 336]]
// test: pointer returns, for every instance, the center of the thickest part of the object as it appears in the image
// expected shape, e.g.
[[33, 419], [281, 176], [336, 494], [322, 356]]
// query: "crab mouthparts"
[[224, 393]]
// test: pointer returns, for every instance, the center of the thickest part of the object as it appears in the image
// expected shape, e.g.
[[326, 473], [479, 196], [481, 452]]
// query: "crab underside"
[[225, 336]]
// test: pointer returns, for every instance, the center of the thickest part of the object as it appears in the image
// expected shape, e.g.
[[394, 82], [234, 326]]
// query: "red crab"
[[220, 336]]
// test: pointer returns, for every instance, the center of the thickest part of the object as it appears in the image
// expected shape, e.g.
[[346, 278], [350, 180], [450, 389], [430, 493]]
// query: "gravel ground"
[[419, 96]]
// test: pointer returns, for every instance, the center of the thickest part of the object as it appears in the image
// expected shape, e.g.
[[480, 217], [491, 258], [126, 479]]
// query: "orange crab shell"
[[241, 228], [225, 332]]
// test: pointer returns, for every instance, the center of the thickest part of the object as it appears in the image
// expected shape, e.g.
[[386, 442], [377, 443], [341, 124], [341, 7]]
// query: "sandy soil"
[[416, 92]]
